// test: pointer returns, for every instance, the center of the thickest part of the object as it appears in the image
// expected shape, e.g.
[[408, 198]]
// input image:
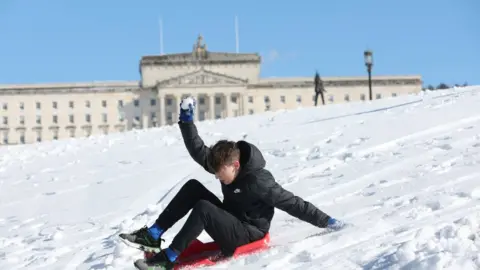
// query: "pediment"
[[201, 78]]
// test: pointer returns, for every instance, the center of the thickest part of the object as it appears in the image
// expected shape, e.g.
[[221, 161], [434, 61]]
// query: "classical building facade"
[[224, 84]]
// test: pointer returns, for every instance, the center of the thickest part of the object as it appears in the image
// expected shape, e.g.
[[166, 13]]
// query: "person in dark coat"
[[250, 195]]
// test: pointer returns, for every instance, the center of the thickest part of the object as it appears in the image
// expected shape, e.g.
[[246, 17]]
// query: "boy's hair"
[[222, 153]]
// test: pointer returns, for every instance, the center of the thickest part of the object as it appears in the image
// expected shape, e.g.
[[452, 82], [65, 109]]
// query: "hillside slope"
[[405, 172]]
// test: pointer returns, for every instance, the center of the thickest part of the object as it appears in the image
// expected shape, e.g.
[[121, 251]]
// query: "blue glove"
[[335, 225], [187, 109]]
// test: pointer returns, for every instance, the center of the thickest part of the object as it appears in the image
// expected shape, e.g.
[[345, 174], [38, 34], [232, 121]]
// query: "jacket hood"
[[251, 159]]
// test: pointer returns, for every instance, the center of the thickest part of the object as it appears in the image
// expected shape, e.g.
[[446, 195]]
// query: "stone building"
[[225, 85]]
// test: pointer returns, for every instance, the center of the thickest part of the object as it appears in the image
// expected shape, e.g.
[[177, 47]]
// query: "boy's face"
[[227, 173]]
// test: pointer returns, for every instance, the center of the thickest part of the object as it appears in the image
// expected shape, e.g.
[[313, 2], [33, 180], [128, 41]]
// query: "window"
[[331, 98], [120, 103], [55, 119], [104, 103], [218, 100], [88, 118], [201, 100], [201, 115], [38, 105], [5, 137], [250, 111], [378, 96], [250, 99], [71, 118], [347, 97], [394, 94], [153, 102], [70, 104], [299, 99], [266, 99], [136, 102], [54, 105], [39, 136], [104, 117], [38, 120], [282, 99], [5, 120], [22, 138], [87, 104], [22, 120], [121, 117], [22, 106], [362, 96], [233, 99], [72, 132], [5, 106]]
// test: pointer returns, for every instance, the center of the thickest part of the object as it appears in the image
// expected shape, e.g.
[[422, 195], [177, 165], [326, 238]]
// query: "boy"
[[250, 196]]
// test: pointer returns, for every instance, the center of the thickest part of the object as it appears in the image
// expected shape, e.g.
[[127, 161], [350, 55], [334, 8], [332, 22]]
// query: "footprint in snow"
[[302, 257], [358, 142], [445, 147]]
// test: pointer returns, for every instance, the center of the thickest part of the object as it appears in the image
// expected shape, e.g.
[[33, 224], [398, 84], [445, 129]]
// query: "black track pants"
[[207, 214]]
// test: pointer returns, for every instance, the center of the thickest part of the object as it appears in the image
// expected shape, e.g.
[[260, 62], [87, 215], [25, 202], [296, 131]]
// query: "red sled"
[[199, 254]]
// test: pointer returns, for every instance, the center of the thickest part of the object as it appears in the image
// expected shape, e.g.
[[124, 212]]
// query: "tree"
[[443, 86]]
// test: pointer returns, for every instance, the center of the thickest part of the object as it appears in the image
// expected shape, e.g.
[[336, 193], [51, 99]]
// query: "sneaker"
[[158, 262], [143, 238]]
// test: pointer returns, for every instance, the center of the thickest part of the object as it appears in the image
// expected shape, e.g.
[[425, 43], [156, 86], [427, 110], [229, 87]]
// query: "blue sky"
[[87, 40]]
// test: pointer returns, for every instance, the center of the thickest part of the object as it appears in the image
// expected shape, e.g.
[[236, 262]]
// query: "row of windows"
[[202, 114], [362, 97], [170, 101], [120, 103], [153, 102], [71, 119], [71, 104]]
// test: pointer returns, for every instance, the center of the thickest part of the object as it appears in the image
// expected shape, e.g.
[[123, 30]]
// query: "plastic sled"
[[199, 254]]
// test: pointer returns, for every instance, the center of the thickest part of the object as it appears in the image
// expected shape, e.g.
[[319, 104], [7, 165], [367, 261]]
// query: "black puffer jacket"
[[254, 194]]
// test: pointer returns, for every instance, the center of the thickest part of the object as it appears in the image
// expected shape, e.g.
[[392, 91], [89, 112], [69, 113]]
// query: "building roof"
[[200, 54]]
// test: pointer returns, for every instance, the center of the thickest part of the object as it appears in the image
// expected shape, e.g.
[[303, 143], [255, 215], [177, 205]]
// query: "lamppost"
[[369, 63]]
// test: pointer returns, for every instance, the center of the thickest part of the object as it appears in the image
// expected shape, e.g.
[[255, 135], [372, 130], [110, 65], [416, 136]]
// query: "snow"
[[404, 172]]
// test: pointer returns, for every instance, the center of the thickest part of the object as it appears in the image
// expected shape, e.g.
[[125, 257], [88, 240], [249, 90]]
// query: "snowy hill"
[[404, 171]]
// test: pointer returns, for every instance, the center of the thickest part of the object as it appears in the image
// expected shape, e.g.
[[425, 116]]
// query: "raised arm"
[[194, 144], [264, 186]]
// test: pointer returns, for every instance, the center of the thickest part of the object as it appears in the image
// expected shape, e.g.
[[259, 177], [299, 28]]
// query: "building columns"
[[145, 117], [244, 102], [227, 105], [211, 106], [195, 115], [161, 109]]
